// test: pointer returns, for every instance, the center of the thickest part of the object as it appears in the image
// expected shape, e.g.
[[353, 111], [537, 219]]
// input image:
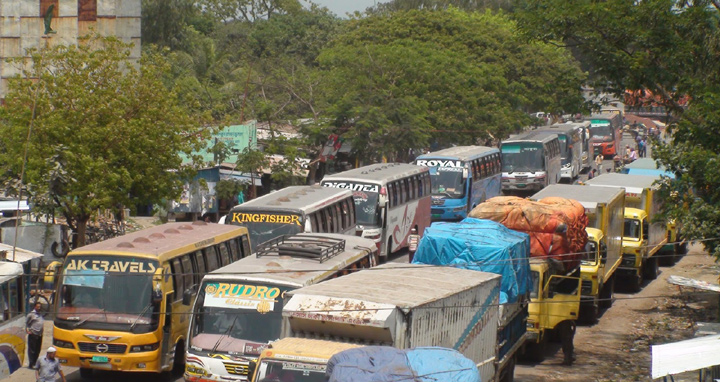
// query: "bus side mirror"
[[252, 366], [187, 297]]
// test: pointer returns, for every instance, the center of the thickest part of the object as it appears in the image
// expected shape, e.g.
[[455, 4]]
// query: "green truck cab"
[[555, 298]]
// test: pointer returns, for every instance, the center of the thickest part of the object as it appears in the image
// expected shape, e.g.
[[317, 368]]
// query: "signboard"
[[243, 296], [439, 163], [353, 186]]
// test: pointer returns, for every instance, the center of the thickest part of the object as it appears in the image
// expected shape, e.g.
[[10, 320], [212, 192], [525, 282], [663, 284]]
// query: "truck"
[[604, 207], [403, 306], [296, 359], [485, 245], [643, 236]]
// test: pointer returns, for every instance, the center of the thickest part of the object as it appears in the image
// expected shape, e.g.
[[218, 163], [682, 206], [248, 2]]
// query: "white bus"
[[572, 140], [238, 310], [294, 210], [530, 161], [391, 199]]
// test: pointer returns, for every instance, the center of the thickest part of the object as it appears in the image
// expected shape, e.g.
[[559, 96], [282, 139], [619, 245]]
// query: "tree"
[[105, 131], [669, 48], [252, 161], [404, 79]]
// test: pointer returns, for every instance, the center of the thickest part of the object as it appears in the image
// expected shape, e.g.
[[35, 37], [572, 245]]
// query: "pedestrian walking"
[[567, 336], [599, 162], [34, 325], [48, 367], [642, 147]]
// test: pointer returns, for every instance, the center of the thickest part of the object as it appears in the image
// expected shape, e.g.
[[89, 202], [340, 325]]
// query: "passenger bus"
[[12, 320], [606, 134], [530, 161], [294, 210], [391, 200], [572, 140], [123, 303], [239, 309], [461, 178]]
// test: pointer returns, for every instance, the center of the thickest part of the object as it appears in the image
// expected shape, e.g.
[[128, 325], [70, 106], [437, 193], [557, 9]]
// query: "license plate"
[[521, 184], [99, 359], [436, 215]]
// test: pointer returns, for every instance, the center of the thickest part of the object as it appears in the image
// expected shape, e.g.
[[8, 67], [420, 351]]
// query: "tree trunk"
[[81, 230]]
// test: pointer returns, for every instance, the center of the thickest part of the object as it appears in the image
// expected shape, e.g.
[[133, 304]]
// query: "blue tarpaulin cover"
[[644, 171], [387, 364], [481, 245]]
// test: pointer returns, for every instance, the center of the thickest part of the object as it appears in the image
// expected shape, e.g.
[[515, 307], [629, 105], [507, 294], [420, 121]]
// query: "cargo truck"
[[403, 306], [296, 359], [484, 245], [604, 207], [643, 237]]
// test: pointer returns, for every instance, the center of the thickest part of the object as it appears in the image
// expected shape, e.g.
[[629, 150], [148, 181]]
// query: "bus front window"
[[588, 256], [602, 131], [522, 157], [107, 292], [447, 181], [632, 228], [290, 371], [535, 284], [236, 317], [366, 208]]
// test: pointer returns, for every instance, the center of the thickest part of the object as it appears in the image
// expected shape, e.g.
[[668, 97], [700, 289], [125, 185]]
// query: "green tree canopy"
[[670, 48], [105, 131]]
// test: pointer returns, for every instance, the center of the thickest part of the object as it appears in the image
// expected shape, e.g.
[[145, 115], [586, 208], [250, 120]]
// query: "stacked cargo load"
[[556, 226]]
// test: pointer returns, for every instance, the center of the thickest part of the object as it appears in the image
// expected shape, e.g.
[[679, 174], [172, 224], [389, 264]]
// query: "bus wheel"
[[179, 359], [86, 373]]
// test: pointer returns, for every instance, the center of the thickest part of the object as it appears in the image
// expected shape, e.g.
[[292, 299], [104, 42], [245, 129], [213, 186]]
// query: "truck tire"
[[637, 281], [668, 258], [651, 268], [589, 312], [535, 351], [607, 293]]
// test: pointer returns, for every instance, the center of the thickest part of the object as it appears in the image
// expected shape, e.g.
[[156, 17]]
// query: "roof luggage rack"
[[310, 246]]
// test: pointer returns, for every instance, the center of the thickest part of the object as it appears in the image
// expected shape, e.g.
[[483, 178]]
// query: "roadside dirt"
[[617, 348]]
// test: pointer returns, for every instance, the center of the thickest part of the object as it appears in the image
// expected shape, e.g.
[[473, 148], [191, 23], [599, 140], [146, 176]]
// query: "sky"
[[340, 7]]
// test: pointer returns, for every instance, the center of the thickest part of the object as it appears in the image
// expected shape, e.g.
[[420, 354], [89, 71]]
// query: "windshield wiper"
[[87, 318], [229, 329], [148, 306]]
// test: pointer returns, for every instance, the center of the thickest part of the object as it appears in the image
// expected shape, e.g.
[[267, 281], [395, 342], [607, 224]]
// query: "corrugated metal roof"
[[304, 270], [679, 357], [388, 284], [21, 255], [589, 197], [375, 172], [460, 152], [8, 270]]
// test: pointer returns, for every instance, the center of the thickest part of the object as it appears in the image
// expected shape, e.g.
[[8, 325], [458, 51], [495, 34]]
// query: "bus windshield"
[[601, 131], [522, 157], [108, 292], [447, 181], [588, 256], [236, 317], [632, 228], [366, 207], [267, 226], [286, 370]]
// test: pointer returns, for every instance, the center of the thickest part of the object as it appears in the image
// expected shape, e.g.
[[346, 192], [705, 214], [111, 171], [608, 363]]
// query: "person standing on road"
[[34, 325], [48, 367], [567, 336], [598, 162]]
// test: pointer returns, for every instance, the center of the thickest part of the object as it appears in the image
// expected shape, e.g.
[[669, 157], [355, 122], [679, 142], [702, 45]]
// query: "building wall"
[[22, 26]]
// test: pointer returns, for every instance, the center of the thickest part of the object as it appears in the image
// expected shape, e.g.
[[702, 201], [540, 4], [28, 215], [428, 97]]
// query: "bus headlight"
[[195, 370], [63, 344], [142, 348]]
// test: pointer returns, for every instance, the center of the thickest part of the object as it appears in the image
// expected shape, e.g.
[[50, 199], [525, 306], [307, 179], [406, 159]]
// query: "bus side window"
[[351, 209], [421, 189], [392, 194], [427, 184], [187, 271], [199, 267], [234, 251], [339, 217], [403, 192], [176, 270], [345, 214], [313, 222], [245, 246], [327, 213], [224, 254], [211, 257]]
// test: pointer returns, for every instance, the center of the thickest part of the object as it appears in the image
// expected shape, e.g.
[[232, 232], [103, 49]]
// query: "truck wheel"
[[636, 282], [668, 258], [535, 351], [607, 293], [86, 373], [589, 312], [651, 268]]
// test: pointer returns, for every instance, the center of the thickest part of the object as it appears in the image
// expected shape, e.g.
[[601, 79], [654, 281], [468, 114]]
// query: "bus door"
[[164, 281]]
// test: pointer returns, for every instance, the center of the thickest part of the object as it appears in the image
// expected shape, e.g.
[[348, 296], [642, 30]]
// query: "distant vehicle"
[[238, 310], [530, 161], [12, 328], [294, 210], [461, 178], [123, 304], [391, 199], [605, 134], [572, 140]]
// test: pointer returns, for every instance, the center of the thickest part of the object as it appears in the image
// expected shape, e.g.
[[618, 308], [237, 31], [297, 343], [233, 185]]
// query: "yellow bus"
[[124, 303], [12, 318]]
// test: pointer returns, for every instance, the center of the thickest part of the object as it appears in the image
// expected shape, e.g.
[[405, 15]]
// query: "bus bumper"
[[138, 362], [456, 213]]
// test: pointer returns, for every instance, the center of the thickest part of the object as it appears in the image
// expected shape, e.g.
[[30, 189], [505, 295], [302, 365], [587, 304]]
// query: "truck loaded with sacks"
[[556, 227]]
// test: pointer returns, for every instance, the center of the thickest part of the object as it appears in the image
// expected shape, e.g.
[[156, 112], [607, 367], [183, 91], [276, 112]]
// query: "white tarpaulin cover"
[[688, 355]]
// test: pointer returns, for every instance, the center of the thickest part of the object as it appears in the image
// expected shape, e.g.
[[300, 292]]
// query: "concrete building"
[[22, 26]]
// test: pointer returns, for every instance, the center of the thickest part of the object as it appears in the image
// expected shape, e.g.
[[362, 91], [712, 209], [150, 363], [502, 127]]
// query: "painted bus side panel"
[[12, 346], [402, 219]]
